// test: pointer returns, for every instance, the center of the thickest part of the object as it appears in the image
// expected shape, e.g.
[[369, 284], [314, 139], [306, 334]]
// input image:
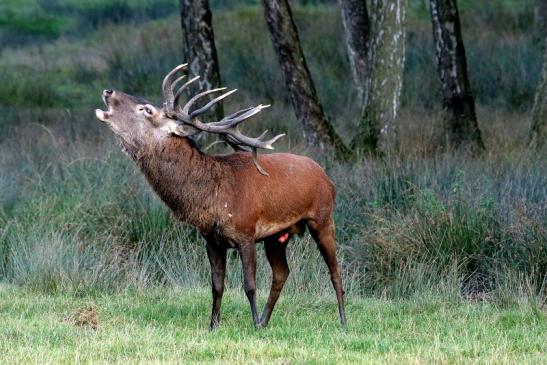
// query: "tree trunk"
[[538, 131], [318, 132], [357, 29], [460, 119], [387, 58], [200, 51]]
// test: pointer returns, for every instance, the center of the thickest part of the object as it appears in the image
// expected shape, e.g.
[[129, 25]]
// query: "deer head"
[[135, 120]]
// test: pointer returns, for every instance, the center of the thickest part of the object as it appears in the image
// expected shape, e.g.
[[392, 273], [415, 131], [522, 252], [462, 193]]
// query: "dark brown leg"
[[247, 253], [324, 236], [217, 259], [276, 254]]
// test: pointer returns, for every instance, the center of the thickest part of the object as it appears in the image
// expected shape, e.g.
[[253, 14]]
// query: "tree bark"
[[460, 118], [357, 29], [538, 131], [386, 55], [318, 132], [200, 51]]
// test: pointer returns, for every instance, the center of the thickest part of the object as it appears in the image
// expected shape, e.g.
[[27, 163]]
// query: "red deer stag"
[[234, 200]]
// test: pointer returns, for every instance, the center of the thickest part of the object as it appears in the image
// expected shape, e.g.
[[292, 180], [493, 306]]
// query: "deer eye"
[[148, 110]]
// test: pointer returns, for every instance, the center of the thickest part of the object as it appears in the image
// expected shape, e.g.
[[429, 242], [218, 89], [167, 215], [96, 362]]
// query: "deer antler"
[[227, 126]]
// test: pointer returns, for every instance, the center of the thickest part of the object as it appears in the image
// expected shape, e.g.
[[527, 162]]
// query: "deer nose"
[[108, 92]]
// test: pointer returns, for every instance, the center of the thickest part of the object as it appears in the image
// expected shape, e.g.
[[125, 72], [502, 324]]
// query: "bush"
[[421, 223]]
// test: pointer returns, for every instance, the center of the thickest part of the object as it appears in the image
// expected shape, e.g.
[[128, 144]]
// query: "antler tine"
[[177, 80], [233, 115], [207, 106], [254, 142], [182, 88], [263, 134], [167, 85], [191, 102], [238, 117]]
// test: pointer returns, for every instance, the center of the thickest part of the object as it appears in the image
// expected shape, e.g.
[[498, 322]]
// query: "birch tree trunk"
[[200, 51], [460, 118], [538, 131], [318, 132], [357, 29], [387, 58]]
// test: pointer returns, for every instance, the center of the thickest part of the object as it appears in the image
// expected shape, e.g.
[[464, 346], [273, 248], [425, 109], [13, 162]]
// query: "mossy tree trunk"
[[357, 30], [386, 56], [538, 131], [460, 119], [318, 131], [200, 51]]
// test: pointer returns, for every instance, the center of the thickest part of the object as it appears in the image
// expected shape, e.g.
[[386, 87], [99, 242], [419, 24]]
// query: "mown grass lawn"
[[171, 326]]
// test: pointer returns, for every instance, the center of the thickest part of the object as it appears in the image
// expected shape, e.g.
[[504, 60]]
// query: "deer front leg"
[[217, 259], [247, 253]]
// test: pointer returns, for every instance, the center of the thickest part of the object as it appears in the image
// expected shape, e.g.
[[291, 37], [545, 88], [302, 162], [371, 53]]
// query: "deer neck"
[[184, 178]]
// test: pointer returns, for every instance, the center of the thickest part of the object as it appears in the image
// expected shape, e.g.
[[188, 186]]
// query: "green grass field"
[[171, 326]]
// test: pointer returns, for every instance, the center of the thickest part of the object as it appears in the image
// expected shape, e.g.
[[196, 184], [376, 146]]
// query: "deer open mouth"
[[103, 115]]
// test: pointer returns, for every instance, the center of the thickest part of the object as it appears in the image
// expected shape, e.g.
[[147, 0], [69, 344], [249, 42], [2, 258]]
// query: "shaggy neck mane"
[[186, 180]]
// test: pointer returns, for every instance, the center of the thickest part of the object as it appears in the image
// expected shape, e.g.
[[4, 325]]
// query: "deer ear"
[[185, 130], [181, 130]]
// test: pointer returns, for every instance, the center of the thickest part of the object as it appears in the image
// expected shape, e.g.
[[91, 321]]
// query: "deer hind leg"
[[247, 253], [324, 236], [276, 255], [217, 259]]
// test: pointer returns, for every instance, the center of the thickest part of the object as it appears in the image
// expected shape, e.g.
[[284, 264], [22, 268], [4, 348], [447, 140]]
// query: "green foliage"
[[34, 24], [44, 91], [35, 21], [503, 69]]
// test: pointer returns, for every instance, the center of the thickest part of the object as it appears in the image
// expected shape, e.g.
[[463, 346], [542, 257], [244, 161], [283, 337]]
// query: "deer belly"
[[264, 229], [283, 230]]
